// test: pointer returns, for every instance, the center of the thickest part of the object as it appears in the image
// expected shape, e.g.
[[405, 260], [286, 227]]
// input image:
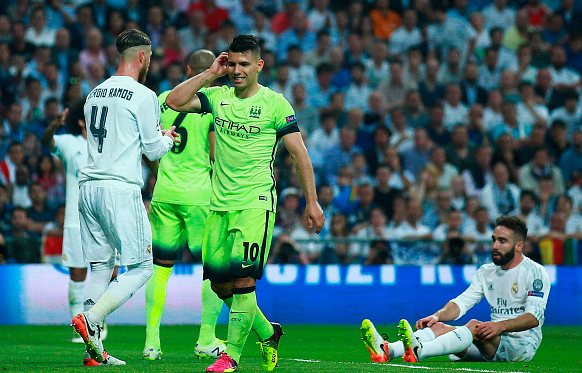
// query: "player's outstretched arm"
[[183, 96], [47, 138], [449, 312], [296, 147], [491, 329]]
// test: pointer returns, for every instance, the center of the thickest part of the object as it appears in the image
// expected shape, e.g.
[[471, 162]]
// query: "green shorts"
[[236, 244], [175, 225]]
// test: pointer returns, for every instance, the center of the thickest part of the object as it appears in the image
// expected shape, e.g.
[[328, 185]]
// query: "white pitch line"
[[410, 366]]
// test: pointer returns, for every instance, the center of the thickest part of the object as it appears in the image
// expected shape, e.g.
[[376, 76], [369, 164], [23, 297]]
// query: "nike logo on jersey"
[[224, 103], [246, 265]]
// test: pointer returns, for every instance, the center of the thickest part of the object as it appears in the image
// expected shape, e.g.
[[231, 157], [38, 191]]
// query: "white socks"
[[76, 297], [452, 342], [120, 290], [98, 281], [397, 348]]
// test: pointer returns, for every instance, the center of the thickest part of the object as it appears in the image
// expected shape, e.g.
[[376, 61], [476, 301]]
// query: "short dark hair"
[[245, 43], [131, 38], [76, 113], [514, 223]]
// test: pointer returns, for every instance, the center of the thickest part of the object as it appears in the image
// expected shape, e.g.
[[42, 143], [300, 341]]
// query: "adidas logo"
[[89, 302], [490, 287]]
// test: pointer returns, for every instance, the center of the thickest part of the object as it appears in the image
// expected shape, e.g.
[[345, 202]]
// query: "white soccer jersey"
[[123, 122], [72, 150], [510, 293]]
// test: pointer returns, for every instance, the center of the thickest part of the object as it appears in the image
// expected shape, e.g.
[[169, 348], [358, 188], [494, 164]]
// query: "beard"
[[142, 74], [503, 258]]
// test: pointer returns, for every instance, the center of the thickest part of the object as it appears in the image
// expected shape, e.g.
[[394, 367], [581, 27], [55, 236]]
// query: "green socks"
[[211, 307], [261, 326], [242, 315], [155, 300]]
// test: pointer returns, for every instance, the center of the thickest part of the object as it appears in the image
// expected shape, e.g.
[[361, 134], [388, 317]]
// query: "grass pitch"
[[319, 348]]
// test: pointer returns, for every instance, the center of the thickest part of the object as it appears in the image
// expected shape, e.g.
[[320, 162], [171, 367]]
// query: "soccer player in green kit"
[[249, 121], [178, 212]]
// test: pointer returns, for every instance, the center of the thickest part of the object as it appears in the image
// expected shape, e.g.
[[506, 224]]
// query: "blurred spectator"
[[22, 245], [416, 115], [214, 15], [299, 72], [416, 157], [557, 141], [384, 193], [506, 58], [460, 150], [573, 220], [479, 172], [384, 20], [288, 211], [39, 33], [408, 35], [358, 91], [325, 198], [283, 83], [320, 90], [574, 51], [340, 154], [306, 115], [374, 155], [455, 252], [436, 129], [471, 92], [375, 229], [540, 167], [511, 124], [298, 34], [480, 232], [548, 197], [527, 210], [475, 127], [12, 126], [570, 113], [489, 71], [517, 34], [322, 48], [323, 138], [458, 192], [536, 139], [39, 212], [282, 20], [500, 197], [530, 111], [336, 252], [5, 210], [552, 243], [524, 70], [402, 135], [554, 32], [13, 159], [411, 228], [192, 36], [94, 51], [544, 88], [492, 113], [320, 17], [571, 159], [445, 171], [430, 89], [454, 110], [452, 70], [395, 87], [20, 188], [261, 30], [505, 152], [451, 226], [51, 247], [563, 77], [450, 32], [52, 181], [379, 253], [287, 251], [310, 248], [497, 14], [30, 100]]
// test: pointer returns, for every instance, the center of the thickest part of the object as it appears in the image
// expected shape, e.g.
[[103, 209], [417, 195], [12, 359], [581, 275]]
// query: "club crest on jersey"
[[255, 112], [514, 288]]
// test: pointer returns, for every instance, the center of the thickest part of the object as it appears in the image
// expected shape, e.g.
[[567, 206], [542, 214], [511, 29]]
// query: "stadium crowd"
[[425, 119]]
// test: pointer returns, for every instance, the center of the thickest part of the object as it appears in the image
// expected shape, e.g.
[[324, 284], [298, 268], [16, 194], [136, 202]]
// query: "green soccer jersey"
[[184, 173], [247, 134]]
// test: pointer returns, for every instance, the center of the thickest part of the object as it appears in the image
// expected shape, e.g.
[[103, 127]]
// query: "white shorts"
[[514, 349], [509, 349], [113, 216], [72, 249]]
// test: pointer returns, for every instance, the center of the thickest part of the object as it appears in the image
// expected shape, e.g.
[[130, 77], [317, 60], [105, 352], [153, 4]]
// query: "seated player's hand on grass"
[[172, 134], [427, 322]]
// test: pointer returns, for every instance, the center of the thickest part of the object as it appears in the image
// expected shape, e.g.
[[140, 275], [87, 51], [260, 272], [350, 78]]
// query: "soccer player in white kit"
[[517, 291], [123, 118]]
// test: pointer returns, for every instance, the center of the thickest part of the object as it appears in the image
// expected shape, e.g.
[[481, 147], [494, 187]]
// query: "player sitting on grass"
[[517, 290]]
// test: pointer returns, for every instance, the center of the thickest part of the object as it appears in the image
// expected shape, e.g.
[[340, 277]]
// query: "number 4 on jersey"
[[100, 133]]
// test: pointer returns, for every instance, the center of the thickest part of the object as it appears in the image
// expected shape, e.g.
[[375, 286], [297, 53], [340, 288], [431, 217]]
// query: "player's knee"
[[439, 328], [472, 325], [223, 289], [243, 282], [78, 274]]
